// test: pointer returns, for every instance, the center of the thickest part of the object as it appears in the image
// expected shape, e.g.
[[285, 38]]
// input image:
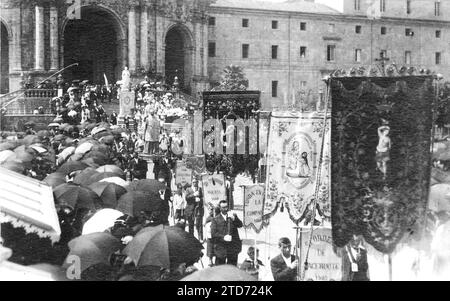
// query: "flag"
[[380, 152]]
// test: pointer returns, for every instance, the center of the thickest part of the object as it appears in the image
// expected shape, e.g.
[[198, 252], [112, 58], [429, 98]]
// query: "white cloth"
[[179, 202], [287, 260]]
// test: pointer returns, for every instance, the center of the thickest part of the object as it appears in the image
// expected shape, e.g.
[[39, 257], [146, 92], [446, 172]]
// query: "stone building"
[[284, 48]]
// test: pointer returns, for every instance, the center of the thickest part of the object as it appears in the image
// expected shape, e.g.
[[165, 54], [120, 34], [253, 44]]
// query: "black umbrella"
[[83, 177], [110, 193], [134, 203], [93, 249], [77, 197], [71, 166], [163, 246], [55, 179]]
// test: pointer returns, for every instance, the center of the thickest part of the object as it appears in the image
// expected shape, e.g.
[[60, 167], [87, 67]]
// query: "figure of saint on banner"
[[298, 165], [383, 148]]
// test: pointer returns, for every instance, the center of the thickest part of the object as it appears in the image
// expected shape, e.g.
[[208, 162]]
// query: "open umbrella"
[[135, 202], [55, 179], [30, 139], [100, 176], [163, 246], [101, 221], [60, 137], [108, 140], [75, 157], [83, 177], [90, 162], [53, 125], [97, 130], [24, 156], [94, 248], [98, 157], [220, 273], [16, 166], [110, 193], [112, 169], [7, 155], [71, 166], [147, 185], [66, 153], [84, 148], [9, 145], [43, 134], [116, 180], [76, 196]]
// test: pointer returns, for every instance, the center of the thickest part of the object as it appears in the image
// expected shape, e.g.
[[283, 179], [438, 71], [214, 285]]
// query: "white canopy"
[[28, 203]]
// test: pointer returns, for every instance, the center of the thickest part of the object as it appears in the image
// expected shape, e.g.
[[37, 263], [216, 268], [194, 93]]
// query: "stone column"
[[16, 47], [39, 49], [198, 46], [132, 39], [54, 58], [205, 49], [144, 38]]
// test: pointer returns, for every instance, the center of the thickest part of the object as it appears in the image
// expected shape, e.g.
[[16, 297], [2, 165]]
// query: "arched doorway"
[[178, 57], [95, 42], [4, 63]]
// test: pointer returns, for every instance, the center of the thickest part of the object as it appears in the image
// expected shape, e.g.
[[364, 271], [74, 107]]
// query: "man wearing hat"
[[194, 208], [165, 196], [151, 133]]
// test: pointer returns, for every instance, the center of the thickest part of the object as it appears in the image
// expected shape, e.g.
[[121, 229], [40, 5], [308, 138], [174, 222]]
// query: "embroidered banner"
[[183, 175], [323, 263], [293, 156], [381, 133], [214, 188], [254, 207], [196, 163]]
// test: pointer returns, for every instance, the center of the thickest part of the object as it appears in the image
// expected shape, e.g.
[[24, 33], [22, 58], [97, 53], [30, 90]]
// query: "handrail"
[[41, 82], [9, 94]]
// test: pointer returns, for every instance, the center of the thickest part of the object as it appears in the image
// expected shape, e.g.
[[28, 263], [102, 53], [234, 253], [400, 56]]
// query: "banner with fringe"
[[380, 149], [295, 141]]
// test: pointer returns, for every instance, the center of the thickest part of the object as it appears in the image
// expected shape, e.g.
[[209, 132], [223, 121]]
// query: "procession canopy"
[[380, 150], [28, 203]]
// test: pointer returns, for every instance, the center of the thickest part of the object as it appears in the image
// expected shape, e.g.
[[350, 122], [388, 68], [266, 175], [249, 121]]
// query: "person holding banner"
[[354, 261], [284, 266], [225, 235], [194, 208]]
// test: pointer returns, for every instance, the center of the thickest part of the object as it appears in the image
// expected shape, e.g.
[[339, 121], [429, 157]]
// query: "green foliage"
[[233, 79]]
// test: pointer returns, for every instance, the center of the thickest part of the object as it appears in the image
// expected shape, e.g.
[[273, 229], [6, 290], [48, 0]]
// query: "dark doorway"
[[93, 43], [4, 64], [174, 57]]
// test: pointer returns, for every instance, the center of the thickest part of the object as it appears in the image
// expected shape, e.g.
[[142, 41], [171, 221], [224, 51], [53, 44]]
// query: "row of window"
[[437, 6], [275, 87], [331, 50], [246, 23]]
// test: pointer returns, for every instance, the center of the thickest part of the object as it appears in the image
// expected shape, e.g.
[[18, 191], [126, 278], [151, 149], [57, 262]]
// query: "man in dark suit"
[[354, 261], [284, 266], [225, 235], [194, 208], [138, 167]]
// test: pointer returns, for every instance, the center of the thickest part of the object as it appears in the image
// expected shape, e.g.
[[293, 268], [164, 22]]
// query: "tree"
[[233, 79]]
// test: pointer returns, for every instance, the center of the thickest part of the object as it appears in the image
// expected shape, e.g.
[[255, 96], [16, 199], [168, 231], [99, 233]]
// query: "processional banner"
[[254, 207], [380, 150], [324, 263], [295, 144], [183, 175], [214, 189]]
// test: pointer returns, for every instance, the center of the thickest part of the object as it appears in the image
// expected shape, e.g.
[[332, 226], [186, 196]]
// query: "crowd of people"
[[83, 134]]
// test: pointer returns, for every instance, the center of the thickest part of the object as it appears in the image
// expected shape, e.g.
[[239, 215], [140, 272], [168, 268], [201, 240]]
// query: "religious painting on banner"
[[183, 175], [213, 189], [254, 207], [380, 149], [197, 164], [324, 263], [293, 157]]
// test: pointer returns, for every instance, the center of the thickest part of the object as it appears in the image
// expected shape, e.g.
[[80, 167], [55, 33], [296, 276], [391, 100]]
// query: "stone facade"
[[37, 35]]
